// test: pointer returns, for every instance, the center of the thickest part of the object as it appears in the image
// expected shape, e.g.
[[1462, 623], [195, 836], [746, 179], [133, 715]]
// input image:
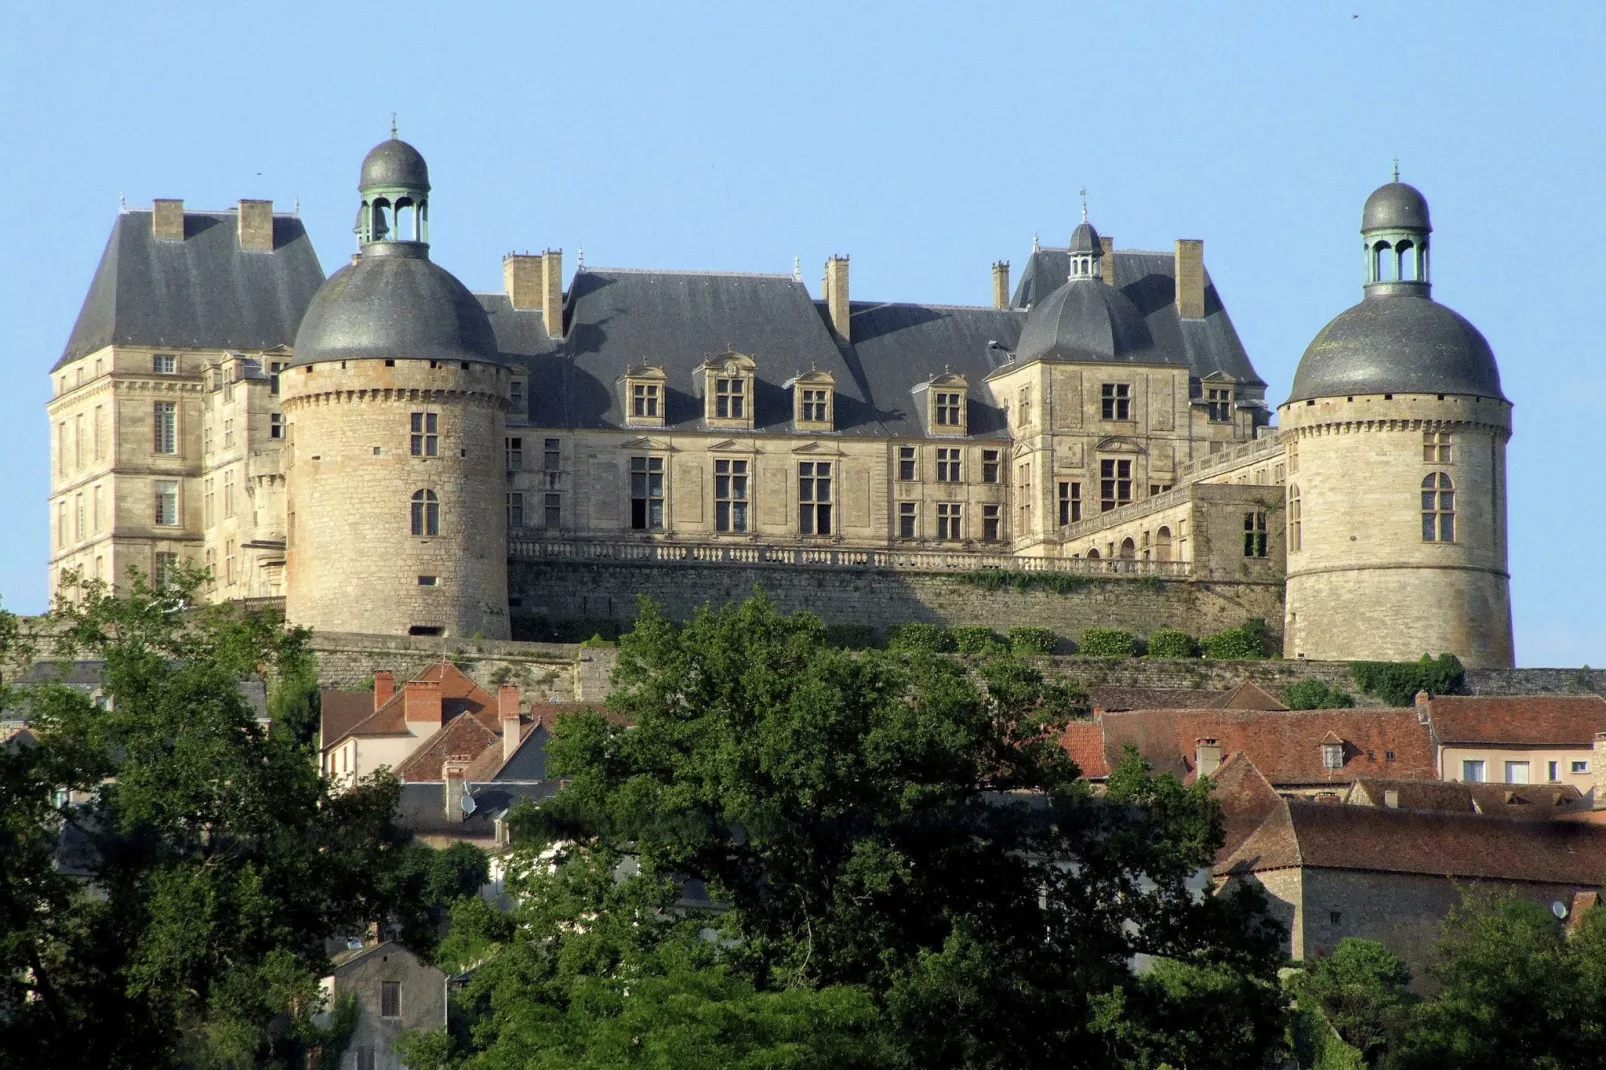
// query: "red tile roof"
[[1531, 720], [1100, 697], [459, 694], [462, 738], [1323, 836], [340, 712], [1246, 797], [1247, 696]]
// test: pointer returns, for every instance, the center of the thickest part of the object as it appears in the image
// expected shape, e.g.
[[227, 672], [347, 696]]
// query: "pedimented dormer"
[[946, 399], [728, 382], [813, 401], [645, 394]]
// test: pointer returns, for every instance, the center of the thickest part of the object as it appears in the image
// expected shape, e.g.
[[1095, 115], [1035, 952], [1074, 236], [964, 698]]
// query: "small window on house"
[[990, 526], [1552, 771], [1116, 401], [948, 466], [1332, 755], [1472, 770], [1070, 499], [515, 510], [950, 521], [1388, 756], [228, 434], [551, 456], [814, 406], [1115, 484], [908, 520], [166, 494], [1255, 534], [164, 364], [513, 447], [1516, 772], [1219, 402], [1295, 535], [1335, 917], [1580, 766], [425, 438], [165, 415], [730, 496], [906, 464], [426, 514], [989, 466], [427, 581], [1438, 508], [390, 999], [814, 498], [1436, 447], [647, 493], [1158, 488]]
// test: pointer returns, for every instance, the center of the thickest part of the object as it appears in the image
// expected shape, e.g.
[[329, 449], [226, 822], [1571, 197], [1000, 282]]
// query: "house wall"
[[1538, 759], [423, 1002]]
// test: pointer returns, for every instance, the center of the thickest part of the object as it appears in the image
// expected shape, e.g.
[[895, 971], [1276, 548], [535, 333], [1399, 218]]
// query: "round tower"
[[1396, 434], [394, 405]]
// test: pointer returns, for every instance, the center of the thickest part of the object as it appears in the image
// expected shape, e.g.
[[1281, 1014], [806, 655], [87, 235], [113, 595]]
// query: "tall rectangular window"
[[390, 999], [515, 510], [100, 507], [551, 456], [100, 434], [1023, 490], [61, 523], [206, 436], [78, 517], [165, 414], [1220, 405], [644, 400], [814, 497], [228, 434], [730, 495], [164, 364], [425, 438], [1023, 407], [1070, 499], [1115, 484], [426, 514], [514, 448], [730, 398], [78, 440], [515, 391], [228, 492], [61, 448], [647, 493], [1255, 534], [814, 406], [990, 526], [166, 501], [949, 407], [165, 565], [989, 466], [274, 368], [908, 520], [208, 513], [949, 521], [948, 466], [906, 464], [1553, 771], [552, 508], [275, 425], [228, 562], [1117, 401]]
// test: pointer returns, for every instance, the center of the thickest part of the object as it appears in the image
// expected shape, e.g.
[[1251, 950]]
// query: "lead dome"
[[1397, 205], [394, 163]]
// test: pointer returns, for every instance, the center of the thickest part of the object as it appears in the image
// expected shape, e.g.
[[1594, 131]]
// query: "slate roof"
[[422, 807], [1522, 720], [203, 292], [1377, 839], [1531, 801]]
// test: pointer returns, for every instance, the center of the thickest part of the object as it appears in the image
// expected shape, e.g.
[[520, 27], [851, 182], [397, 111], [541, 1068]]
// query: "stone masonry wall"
[[542, 671]]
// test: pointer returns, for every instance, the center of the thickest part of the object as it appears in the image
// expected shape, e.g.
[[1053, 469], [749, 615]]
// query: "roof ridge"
[[693, 271]]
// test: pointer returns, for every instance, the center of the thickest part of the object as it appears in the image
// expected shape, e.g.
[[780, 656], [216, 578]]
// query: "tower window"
[[989, 466], [165, 415], [426, 513], [814, 498], [1115, 484], [948, 466], [908, 520], [1255, 534], [950, 516], [990, 522], [1438, 508], [730, 496], [1070, 499], [514, 448], [1294, 521], [425, 440], [906, 464], [647, 493], [1436, 447], [166, 495], [1117, 401], [1220, 405]]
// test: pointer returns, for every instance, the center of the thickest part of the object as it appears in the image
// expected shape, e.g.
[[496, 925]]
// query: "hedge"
[[977, 641], [1026, 639], [1170, 643], [1397, 682], [1237, 644], [1315, 695], [1108, 643], [931, 638]]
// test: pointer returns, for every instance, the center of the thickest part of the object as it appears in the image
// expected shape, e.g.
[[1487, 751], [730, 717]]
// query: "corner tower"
[[395, 405], [1396, 434]]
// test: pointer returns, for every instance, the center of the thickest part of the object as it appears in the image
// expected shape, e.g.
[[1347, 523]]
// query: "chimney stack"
[[384, 687], [1206, 756], [421, 706], [1597, 766], [1107, 258], [1424, 708], [1190, 278], [1000, 283], [453, 788], [836, 295], [552, 292], [167, 220], [521, 278], [507, 708], [256, 226]]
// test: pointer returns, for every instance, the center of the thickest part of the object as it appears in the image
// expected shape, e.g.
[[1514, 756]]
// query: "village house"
[[395, 991]]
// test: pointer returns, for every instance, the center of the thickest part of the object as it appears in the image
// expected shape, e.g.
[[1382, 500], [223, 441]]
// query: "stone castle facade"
[[384, 449]]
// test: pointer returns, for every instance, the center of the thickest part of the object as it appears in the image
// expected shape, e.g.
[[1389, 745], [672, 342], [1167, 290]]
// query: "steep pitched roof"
[[1247, 696], [459, 694], [204, 292], [340, 712], [1328, 836], [1536, 802], [1246, 799], [462, 739], [1533, 720]]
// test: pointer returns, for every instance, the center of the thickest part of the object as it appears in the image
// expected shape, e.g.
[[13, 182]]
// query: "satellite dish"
[[1559, 909], [353, 944], [469, 805]]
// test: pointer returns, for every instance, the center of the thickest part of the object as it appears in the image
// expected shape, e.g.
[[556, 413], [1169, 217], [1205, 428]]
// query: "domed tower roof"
[[1084, 239], [394, 164], [1398, 339], [1085, 320]]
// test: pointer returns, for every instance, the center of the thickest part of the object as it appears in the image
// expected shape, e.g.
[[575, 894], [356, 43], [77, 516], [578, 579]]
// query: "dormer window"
[[728, 391], [645, 396], [1332, 752], [813, 401], [946, 395]]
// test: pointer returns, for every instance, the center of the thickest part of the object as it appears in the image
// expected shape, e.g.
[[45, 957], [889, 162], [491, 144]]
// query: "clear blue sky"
[[926, 140]]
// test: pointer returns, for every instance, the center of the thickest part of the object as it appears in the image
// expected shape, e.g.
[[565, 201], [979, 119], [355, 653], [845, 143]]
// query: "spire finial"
[[1084, 204], [1396, 168], [1035, 246], [393, 126], [122, 205], [580, 258], [797, 268]]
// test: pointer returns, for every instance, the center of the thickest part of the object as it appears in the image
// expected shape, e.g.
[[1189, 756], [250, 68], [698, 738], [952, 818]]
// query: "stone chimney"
[[507, 709], [384, 687], [1424, 707], [552, 292], [421, 703], [1597, 767], [453, 788], [836, 295], [521, 278], [1206, 756], [1108, 258], [167, 220], [1190, 278], [1000, 283], [255, 224]]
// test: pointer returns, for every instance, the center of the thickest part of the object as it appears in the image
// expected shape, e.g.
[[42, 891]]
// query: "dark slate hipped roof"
[[1089, 322], [204, 292]]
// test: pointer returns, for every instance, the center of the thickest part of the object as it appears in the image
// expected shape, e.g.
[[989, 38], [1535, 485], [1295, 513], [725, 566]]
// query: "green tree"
[[894, 840], [1315, 695], [169, 870], [1363, 990]]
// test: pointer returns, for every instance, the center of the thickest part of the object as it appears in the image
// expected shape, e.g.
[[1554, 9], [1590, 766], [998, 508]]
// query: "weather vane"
[[393, 126], [1396, 168], [1084, 204]]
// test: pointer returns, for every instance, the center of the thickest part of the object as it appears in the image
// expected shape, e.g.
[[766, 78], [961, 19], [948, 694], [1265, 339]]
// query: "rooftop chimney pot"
[[167, 219]]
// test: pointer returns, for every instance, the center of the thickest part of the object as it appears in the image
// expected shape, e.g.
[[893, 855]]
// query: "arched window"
[[1294, 519], [1129, 549], [1093, 554], [426, 513], [1382, 262], [1162, 544], [1438, 508], [1407, 256]]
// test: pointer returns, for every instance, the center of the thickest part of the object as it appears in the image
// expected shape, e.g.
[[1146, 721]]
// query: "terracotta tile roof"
[[1148, 698], [1534, 720], [1323, 836], [1536, 802], [461, 738], [489, 764], [1286, 746], [1246, 797], [1247, 696], [341, 711], [459, 694]]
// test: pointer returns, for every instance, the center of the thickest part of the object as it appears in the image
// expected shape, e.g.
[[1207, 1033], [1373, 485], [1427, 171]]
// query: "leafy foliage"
[[1363, 989], [999, 579], [1237, 644], [851, 636], [1315, 695], [1025, 639], [1171, 643], [1107, 643], [1397, 682], [977, 641], [930, 638], [203, 860]]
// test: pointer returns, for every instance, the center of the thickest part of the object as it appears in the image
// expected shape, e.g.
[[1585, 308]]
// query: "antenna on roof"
[[393, 126], [1084, 204], [1396, 168]]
